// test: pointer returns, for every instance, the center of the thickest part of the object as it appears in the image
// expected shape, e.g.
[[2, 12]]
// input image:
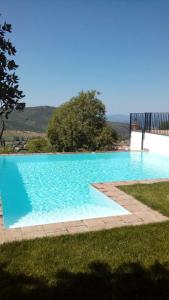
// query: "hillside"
[[123, 129], [35, 119], [31, 119]]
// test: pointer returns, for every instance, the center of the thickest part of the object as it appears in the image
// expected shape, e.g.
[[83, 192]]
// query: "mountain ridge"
[[36, 119]]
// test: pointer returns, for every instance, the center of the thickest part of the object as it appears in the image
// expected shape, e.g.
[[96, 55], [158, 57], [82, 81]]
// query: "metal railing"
[[157, 123]]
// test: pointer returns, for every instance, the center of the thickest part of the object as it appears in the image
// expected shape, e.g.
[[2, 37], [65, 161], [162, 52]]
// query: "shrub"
[[39, 144], [6, 150]]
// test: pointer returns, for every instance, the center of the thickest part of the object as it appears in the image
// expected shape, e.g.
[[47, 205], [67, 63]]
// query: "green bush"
[[81, 124], [6, 150], [39, 144]]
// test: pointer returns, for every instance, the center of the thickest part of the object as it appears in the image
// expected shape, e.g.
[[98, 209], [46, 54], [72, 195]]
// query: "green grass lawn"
[[122, 263], [155, 195]]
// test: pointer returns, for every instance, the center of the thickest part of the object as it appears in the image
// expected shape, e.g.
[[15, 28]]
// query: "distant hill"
[[31, 119], [35, 119], [119, 118], [123, 129]]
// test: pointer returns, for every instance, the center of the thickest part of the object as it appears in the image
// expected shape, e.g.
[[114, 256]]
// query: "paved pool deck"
[[139, 214]]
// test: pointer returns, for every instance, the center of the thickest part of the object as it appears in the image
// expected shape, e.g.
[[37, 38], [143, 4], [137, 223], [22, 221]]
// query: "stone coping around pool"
[[78, 152], [139, 214]]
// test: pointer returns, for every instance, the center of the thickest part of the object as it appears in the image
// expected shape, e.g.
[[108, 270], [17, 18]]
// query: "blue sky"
[[120, 48]]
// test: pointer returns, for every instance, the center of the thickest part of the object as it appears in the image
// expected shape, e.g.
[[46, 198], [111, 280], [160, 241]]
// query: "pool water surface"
[[50, 188]]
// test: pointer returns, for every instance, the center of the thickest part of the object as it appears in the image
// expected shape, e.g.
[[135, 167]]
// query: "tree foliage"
[[164, 125], [81, 124], [10, 95]]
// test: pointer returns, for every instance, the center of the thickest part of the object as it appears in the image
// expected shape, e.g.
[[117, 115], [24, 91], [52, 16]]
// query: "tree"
[[10, 95], [164, 125], [105, 139], [78, 124]]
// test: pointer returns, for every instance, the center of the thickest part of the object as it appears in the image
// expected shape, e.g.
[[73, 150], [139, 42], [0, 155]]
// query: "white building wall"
[[156, 143], [135, 141], [152, 142]]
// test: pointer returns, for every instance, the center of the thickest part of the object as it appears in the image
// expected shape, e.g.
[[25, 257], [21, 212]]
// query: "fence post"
[[150, 114], [130, 128], [130, 122], [143, 130]]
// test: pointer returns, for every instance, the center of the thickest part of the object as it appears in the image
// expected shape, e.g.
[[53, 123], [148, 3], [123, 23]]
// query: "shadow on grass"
[[129, 281]]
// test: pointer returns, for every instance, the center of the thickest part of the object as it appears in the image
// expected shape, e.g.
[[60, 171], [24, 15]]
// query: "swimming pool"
[[41, 189]]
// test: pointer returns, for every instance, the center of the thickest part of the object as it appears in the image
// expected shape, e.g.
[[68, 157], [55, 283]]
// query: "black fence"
[[157, 123]]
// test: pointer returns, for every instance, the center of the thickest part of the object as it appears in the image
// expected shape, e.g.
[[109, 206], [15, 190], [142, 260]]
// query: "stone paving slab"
[[139, 214]]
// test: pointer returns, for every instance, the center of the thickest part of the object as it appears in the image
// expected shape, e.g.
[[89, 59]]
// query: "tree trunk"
[[2, 127]]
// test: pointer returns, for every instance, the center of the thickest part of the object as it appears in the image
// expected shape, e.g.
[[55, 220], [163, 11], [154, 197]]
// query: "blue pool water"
[[41, 189]]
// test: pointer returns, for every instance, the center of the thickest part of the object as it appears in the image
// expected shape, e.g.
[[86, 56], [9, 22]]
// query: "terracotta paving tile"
[[93, 222], [32, 228], [33, 235], [54, 227], [131, 217], [162, 218], [2, 228], [77, 229], [113, 219], [13, 231], [141, 214], [57, 233], [95, 227], [12, 236], [2, 238], [109, 194], [115, 224], [135, 223], [132, 208], [12, 239], [73, 223]]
